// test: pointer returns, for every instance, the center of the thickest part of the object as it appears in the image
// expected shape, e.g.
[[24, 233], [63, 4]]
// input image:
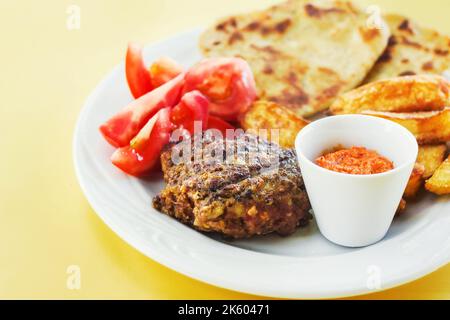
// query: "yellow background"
[[46, 73]]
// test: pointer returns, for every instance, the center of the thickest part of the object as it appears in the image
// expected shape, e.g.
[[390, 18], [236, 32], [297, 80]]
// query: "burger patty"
[[254, 188]]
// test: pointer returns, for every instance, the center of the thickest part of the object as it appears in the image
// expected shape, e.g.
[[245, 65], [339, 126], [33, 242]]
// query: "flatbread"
[[412, 50], [303, 53]]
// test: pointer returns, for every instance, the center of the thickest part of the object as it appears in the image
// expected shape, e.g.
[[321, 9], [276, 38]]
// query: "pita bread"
[[411, 50], [303, 53]]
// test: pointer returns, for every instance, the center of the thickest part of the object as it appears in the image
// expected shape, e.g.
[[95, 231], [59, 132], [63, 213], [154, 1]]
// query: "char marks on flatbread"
[[412, 50], [303, 53]]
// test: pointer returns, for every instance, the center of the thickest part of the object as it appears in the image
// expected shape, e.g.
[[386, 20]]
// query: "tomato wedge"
[[121, 128], [163, 70], [192, 107], [138, 77], [228, 84], [143, 153], [219, 124]]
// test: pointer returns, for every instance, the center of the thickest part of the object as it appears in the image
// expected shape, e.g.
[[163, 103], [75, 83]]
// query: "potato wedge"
[[431, 157], [428, 127], [415, 181], [439, 183], [402, 94], [269, 115], [401, 207]]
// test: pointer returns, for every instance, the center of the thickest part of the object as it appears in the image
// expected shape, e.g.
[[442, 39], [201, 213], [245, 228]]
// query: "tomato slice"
[[121, 128], [219, 124], [228, 83], [143, 153], [192, 107], [138, 77], [163, 70]]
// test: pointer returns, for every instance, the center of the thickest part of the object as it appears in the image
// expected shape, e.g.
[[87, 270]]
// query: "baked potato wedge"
[[415, 181], [431, 157], [439, 183], [402, 94], [269, 115], [430, 127], [401, 207]]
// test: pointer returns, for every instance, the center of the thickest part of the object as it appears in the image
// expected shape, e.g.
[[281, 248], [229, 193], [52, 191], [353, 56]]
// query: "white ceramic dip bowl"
[[355, 210]]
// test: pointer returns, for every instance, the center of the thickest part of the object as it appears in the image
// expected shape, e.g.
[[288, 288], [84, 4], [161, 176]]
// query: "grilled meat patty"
[[258, 190]]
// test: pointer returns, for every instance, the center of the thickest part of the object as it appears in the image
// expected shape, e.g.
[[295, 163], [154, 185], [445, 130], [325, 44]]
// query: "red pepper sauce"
[[356, 160]]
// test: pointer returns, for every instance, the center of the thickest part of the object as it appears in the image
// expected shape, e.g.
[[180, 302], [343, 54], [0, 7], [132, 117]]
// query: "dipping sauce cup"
[[355, 210]]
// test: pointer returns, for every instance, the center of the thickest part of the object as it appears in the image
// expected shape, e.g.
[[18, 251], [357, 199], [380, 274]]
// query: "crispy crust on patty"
[[239, 199]]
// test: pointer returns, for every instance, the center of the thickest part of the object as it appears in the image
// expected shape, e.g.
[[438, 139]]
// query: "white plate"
[[304, 265]]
